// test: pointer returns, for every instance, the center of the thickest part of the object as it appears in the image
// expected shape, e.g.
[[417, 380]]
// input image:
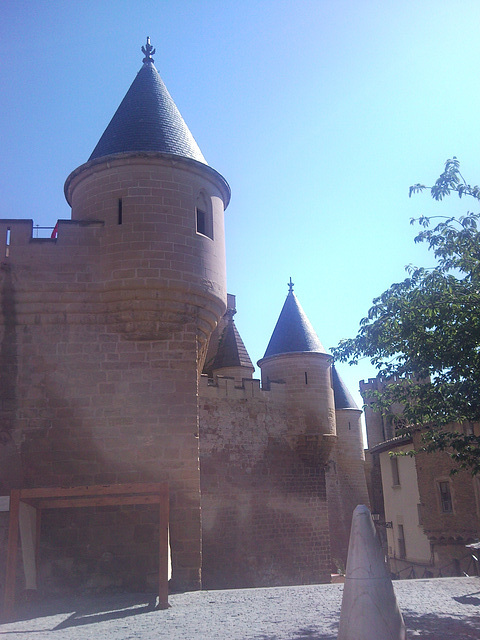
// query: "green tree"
[[426, 330]]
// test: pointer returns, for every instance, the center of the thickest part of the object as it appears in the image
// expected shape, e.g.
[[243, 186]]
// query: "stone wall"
[[447, 529], [101, 336], [264, 506], [88, 406], [346, 482]]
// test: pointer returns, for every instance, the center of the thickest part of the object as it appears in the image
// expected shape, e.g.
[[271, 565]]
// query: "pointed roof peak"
[[293, 332], [226, 348], [148, 120]]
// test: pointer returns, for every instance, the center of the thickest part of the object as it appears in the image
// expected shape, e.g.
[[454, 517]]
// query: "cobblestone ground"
[[441, 609]]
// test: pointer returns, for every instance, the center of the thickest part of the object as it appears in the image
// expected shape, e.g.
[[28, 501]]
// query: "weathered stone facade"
[[104, 331], [264, 505], [432, 514]]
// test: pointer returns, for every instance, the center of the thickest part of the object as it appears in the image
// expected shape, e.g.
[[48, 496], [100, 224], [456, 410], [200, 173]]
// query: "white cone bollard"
[[369, 606]]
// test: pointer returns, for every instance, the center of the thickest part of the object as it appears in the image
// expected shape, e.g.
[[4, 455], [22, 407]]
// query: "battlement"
[[372, 384], [378, 383], [224, 387], [21, 233]]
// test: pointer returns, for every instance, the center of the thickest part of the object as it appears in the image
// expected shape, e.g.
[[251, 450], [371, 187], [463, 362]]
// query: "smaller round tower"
[[226, 355], [345, 472], [297, 371], [296, 357]]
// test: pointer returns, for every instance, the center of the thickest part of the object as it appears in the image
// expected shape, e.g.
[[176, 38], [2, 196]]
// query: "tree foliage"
[[426, 331]]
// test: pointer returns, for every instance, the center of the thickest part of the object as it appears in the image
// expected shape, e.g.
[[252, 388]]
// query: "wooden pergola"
[[87, 496]]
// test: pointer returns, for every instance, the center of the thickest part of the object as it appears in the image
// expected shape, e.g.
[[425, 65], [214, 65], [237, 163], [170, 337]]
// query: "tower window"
[[204, 217], [201, 222], [120, 211], [445, 497], [395, 473], [306, 378], [402, 550], [7, 242]]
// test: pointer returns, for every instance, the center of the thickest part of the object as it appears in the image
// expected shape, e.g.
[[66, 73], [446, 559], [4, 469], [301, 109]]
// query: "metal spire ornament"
[[148, 51]]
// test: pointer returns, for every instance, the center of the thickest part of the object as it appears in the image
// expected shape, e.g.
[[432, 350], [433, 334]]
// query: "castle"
[[121, 363]]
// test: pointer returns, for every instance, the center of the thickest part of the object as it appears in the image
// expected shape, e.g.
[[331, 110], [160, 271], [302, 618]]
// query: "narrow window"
[[349, 426], [120, 211], [306, 378], [201, 222], [420, 513], [7, 242], [204, 216], [445, 497], [395, 473], [402, 550]]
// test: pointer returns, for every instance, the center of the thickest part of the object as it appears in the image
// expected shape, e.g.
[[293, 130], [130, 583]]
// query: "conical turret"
[[162, 208], [343, 397], [296, 357], [293, 332], [227, 355], [345, 474]]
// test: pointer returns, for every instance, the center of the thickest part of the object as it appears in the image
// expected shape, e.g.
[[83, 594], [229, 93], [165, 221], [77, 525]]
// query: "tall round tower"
[[162, 208], [156, 279]]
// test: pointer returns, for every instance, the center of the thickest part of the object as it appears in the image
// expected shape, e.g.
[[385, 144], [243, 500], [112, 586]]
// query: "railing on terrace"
[[411, 571], [44, 232]]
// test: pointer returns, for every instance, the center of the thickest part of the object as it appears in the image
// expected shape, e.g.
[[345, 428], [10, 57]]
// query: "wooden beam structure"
[[87, 496]]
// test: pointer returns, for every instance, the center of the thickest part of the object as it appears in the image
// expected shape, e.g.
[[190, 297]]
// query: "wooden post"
[[37, 536], [11, 568], [163, 552], [28, 532]]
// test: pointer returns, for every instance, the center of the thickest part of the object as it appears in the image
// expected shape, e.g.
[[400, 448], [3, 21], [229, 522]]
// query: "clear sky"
[[319, 113]]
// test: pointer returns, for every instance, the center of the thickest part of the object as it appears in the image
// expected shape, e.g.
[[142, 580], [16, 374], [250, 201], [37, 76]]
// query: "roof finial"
[[290, 285], [148, 51]]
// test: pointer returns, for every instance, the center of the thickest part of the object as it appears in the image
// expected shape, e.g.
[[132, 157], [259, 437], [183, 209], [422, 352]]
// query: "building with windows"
[[426, 515], [121, 364]]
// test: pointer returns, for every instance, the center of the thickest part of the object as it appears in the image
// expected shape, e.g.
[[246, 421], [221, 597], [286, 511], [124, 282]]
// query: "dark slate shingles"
[[343, 397], [148, 120], [293, 331]]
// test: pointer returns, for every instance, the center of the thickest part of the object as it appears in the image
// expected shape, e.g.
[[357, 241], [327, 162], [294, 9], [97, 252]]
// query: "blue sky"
[[320, 115]]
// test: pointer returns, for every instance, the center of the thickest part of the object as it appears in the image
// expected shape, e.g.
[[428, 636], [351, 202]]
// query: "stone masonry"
[[105, 331]]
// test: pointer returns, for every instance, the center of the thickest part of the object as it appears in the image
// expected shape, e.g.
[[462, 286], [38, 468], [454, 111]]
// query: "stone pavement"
[[436, 609]]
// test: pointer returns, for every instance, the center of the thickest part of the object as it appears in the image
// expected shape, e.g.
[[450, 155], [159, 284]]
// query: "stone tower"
[[104, 331], [345, 471], [296, 356]]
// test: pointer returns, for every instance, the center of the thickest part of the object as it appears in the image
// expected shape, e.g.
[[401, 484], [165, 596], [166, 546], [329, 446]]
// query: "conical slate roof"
[[343, 397], [231, 349], [226, 347], [293, 332], [148, 120]]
